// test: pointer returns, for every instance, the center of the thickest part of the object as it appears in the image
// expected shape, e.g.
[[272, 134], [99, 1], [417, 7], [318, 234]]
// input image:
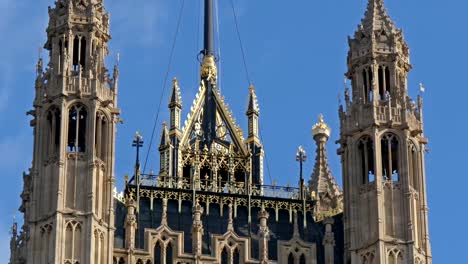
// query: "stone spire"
[[322, 184], [252, 107], [252, 113], [165, 141], [376, 17], [176, 98]]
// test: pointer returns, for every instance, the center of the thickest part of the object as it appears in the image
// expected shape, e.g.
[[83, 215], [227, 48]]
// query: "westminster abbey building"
[[208, 202]]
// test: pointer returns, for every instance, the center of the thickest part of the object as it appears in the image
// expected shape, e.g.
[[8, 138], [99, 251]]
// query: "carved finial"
[[230, 226], [164, 212], [253, 102], [176, 98], [321, 127]]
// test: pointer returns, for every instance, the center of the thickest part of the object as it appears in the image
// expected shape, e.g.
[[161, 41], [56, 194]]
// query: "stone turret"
[[382, 149], [322, 184], [68, 196]]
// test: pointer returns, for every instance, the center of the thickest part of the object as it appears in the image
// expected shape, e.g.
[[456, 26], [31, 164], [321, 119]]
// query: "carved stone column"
[[264, 236], [329, 241], [164, 212], [130, 225], [197, 231]]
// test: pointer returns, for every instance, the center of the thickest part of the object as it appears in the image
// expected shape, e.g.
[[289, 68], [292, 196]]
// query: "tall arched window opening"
[[387, 79], [381, 83], [291, 258], [366, 86], [60, 55], [76, 52], [389, 157], [54, 122], [236, 257], [366, 155], [157, 253], [101, 136], [302, 260], [224, 256], [83, 53], [169, 253], [414, 166], [77, 119]]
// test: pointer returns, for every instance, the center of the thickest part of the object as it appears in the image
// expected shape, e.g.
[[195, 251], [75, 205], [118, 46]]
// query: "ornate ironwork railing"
[[220, 186]]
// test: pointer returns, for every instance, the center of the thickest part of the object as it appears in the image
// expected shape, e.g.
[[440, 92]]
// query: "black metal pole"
[[208, 38]]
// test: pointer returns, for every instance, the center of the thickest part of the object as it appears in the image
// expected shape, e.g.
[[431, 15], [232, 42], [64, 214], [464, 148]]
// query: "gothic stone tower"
[[382, 149], [68, 197]]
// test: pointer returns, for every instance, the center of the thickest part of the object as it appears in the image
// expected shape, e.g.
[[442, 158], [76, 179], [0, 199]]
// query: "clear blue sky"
[[296, 56]]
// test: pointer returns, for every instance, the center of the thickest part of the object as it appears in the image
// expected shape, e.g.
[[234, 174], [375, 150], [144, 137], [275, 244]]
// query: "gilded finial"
[[321, 127], [252, 88]]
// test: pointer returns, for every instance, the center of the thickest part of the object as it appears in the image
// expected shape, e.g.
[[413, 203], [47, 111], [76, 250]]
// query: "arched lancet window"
[[139, 261], [102, 126], [413, 166], [54, 125], [291, 258], [236, 257], [83, 52], [76, 52], [60, 55], [157, 253], [366, 155], [389, 157], [302, 260], [148, 261], [391, 258], [381, 83], [387, 79], [169, 254], [366, 86], [77, 121], [224, 256], [122, 261]]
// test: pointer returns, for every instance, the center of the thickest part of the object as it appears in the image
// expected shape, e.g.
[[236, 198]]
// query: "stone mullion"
[[378, 183], [404, 173], [424, 209]]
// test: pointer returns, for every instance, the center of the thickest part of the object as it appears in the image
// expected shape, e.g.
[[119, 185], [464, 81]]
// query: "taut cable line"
[[163, 90]]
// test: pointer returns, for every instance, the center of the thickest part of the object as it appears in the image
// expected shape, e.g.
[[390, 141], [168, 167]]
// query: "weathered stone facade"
[[209, 203]]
